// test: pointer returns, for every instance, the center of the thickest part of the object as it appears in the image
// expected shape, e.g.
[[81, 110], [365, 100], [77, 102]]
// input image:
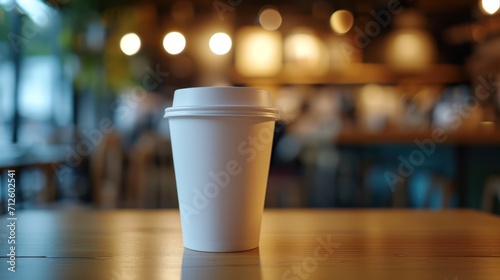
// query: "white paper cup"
[[221, 144]]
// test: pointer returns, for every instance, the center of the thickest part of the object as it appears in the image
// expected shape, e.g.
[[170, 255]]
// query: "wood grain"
[[295, 244]]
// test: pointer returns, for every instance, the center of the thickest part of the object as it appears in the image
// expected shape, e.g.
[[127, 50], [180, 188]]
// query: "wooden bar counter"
[[295, 244]]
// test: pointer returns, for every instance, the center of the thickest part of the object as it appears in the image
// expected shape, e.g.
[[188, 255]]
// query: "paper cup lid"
[[222, 101]]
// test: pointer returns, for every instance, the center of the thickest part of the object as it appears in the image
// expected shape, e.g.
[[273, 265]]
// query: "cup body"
[[221, 160]]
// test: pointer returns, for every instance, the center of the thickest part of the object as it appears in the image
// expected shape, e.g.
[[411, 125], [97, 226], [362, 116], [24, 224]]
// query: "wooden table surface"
[[295, 244]]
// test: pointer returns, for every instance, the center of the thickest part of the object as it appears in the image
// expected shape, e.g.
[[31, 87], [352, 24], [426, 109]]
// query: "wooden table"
[[295, 244], [46, 158]]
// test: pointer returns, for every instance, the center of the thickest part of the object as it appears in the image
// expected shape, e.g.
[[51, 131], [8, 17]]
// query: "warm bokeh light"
[[410, 49], [341, 21], [377, 104], [342, 51], [306, 51], [130, 44], [301, 47], [270, 19], [174, 43], [490, 6], [487, 126], [258, 52], [220, 43]]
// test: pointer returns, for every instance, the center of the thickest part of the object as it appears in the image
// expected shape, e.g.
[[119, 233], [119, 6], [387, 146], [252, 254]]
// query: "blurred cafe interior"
[[383, 103]]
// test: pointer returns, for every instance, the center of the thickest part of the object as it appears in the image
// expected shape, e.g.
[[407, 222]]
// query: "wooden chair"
[[151, 180], [490, 193], [106, 167], [285, 190], [444, 185]]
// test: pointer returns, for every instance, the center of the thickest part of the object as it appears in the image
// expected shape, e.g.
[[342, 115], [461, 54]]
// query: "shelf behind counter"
[[472, 137]]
